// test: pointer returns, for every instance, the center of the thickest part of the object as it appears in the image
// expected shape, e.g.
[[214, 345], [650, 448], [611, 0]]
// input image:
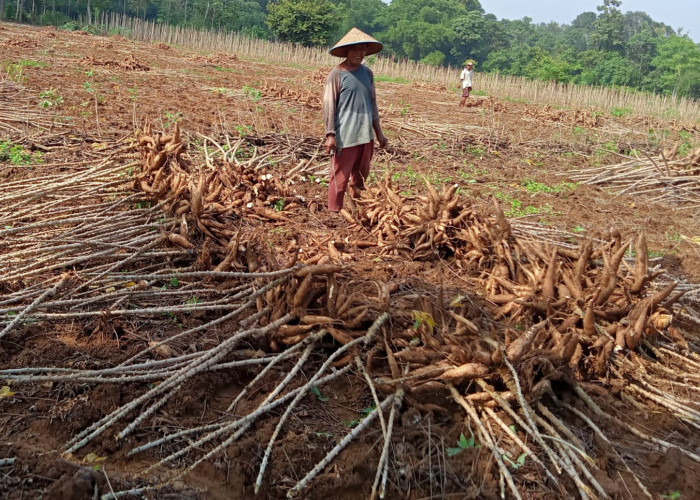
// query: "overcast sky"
[[676, 13]]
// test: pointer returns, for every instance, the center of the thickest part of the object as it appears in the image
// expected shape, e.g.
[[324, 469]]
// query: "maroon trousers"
[[348, 165]]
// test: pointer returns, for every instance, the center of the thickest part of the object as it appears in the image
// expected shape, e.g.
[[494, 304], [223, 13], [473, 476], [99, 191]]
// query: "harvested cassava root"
[[207, 201], [539, 315]]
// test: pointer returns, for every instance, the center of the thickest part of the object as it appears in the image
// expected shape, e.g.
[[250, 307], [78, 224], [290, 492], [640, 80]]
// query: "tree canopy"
[[606, 47]]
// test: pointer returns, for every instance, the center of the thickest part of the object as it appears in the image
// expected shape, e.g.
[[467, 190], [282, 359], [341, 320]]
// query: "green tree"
[[306, 22], [417, 28], [609, 33], [676, 68], [365, 15], [604, 68]]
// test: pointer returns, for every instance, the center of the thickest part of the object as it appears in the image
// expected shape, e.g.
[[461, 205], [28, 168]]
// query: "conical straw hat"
[[353, 37]]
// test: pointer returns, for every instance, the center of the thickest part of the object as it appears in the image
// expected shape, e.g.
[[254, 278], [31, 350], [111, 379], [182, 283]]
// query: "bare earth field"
[[508, 288]]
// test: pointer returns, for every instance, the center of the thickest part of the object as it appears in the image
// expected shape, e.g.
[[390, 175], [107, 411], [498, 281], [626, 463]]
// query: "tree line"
[[606, 47]]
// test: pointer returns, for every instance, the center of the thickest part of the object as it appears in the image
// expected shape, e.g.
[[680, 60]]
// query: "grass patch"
[[391, 79], [516, 208], [534, 187], [620, 112], [15, 154]]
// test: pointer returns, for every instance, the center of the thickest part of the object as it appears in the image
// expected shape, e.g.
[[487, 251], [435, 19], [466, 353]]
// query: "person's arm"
[[330, 101], [376, 125]]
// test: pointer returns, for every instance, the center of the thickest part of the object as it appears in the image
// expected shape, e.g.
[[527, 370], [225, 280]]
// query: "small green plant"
[[119, 31], [193, 301], [604, 150], [15, 72], [620, 112], [686, 143], [657, 137], [409, 175], [368, 410], [253, 93], [318, 180], [516, 99], [69, 26], [171, 118], [578, 229], [174, 283], [519, 462], [423, 318], [278, 206], [534, 187], [244, 129], [223, 91], [316, 392], [462, 444], [474, 150], [50, 98], [517, 209], [390, 79], [15, 154], [673, 495]]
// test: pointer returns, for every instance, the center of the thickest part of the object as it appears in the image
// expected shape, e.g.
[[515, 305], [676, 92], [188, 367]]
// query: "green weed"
[[515, 99], [686, 143], [244, 129], [278, 206], [409, 175], [50, 98], [462, 444], [534, 187], [391, 79], [474, 150], [316, 392], [519, 462], [318, 180], [253, 93], [171, 119], [15, 154], [620, 112]]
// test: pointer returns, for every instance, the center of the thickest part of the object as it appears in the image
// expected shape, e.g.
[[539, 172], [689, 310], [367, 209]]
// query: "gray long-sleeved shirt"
[[350, 106]]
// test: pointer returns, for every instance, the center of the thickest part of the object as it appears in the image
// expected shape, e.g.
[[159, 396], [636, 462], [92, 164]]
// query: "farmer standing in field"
[[351, 117], [465, 79]]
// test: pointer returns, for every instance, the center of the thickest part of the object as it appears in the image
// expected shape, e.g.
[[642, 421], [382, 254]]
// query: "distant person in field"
[[465, 78], [351, 117]]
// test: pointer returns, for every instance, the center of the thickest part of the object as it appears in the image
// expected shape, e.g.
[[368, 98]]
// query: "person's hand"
[[382, 140], [330, 144]]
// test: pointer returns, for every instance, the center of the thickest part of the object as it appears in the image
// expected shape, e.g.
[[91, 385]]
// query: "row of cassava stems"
[[534, 91]]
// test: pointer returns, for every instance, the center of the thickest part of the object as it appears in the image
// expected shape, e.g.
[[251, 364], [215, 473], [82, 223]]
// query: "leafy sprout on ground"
[[50, 97], [253, 93], [15, 154], [462, 444], [316, 392], [519, 462]]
